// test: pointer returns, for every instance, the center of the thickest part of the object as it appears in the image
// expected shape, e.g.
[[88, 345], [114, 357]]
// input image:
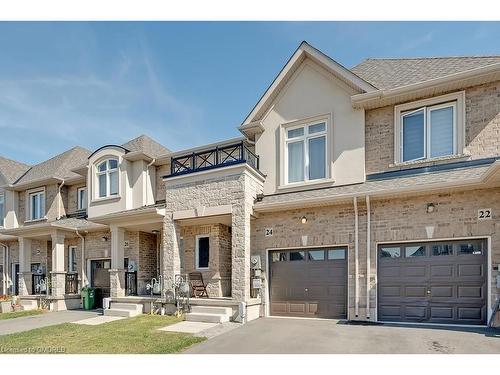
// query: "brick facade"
[[218, 275], [482, 128], [395, 219]]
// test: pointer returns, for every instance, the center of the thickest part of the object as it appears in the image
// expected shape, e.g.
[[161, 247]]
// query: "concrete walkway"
[[27, 323], [304, 336]]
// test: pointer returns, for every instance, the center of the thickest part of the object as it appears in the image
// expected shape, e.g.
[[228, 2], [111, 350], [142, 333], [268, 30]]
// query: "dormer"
[[122, 177]]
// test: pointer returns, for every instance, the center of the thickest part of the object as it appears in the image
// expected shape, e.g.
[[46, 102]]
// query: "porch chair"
[[198, 287]]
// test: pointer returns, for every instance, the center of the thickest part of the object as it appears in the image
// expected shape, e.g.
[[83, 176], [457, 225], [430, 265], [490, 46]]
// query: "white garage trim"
[[489, 265], [267, 296]]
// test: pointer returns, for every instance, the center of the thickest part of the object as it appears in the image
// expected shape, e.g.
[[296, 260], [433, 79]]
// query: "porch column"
[[58, 274], [240, 251], [117, 272], [25, 276], [171, 261]]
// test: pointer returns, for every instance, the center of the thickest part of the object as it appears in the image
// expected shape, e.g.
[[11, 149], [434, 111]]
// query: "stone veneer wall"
[[482, 128], [218, 276], [395, 219], [238, 187]]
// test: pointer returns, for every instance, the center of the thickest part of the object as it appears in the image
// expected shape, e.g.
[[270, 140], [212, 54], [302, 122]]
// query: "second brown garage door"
[[439, 282], [309, 283]]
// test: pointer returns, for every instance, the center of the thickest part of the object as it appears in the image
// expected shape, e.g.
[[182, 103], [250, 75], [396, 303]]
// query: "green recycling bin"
[[88, 296]]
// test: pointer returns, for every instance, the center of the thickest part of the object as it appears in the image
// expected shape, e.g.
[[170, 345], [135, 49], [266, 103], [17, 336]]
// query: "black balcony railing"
[[216, 157], [71, 283]]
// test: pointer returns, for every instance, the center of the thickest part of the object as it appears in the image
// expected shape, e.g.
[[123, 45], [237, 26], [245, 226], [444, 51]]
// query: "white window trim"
[[197, 251], [327, 119], [2, 215], [70, 257], [29, 193], [457, 99], [107, 172], [79, 205]]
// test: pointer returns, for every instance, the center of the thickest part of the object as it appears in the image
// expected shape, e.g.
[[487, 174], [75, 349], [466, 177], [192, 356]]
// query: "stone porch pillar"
[[117, 272], [25, 275], [240, 251], [171, 261], [58, 273]]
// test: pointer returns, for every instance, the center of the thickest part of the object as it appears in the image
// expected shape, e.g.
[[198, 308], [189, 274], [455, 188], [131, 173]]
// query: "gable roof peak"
[[303, 51], [147, 145]]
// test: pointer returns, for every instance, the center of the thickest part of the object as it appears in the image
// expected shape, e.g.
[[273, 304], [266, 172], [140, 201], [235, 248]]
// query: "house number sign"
[[268, 232], [484, 214]]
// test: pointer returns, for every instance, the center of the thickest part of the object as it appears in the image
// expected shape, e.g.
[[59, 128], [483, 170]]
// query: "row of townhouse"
[[364, 194]]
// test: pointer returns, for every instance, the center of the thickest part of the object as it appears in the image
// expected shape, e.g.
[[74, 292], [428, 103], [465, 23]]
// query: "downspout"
[[148, 176], [368, 247], [59, 200], [82, 265], [356, 258], [5, 267]]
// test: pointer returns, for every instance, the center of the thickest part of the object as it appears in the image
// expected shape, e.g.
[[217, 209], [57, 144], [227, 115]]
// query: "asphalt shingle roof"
[[12, 169], [59, 166], [391, 73], [371, 187], [147, 145]]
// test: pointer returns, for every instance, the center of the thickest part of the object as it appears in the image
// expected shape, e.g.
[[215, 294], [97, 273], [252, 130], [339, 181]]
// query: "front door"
[[15, 278], [99, 279]]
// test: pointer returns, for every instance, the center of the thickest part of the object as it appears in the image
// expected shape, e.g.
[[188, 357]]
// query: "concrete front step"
[[127, 306], [28, 304], [207, 317], [121, 312], [212, 310]]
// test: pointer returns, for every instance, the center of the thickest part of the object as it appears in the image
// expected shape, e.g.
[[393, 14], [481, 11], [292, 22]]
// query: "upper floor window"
[[37, 205], [429, 129], [305, 152], [2, 209], [107, 178], [81, 197]]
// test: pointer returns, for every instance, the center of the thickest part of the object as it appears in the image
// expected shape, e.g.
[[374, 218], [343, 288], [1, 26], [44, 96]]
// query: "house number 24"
[[484, 214]]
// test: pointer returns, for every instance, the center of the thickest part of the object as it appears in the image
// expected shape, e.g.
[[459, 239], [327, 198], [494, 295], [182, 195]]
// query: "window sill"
[[106, 199], [427, 162], [298, 185], [203, 269]]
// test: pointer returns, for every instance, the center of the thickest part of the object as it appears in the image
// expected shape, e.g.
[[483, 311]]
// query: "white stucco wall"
[[135, 188], [312, 92]]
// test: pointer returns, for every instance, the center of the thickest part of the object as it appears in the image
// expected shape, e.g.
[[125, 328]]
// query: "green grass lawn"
[[137, 335], [19, 314]]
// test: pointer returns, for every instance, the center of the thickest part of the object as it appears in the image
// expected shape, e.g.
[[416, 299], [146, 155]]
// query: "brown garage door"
[[309, 283], [439, 282]]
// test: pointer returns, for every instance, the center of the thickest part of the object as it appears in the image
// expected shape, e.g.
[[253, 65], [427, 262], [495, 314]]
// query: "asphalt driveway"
[[27, 323], [303, 336]]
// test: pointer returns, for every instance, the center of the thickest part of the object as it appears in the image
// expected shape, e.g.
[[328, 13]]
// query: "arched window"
[[107, 178]]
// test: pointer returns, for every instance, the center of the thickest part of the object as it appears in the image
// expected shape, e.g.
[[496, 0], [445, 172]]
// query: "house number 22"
[[269, 232], [484, 214]]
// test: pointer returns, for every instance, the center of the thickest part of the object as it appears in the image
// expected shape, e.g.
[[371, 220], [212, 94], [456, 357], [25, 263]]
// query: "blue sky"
[[185, 84]]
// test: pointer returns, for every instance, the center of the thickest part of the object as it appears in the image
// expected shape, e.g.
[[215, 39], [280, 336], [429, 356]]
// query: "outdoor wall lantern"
[[303, 220], [104, 238], [155, 231], [430, 208]]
